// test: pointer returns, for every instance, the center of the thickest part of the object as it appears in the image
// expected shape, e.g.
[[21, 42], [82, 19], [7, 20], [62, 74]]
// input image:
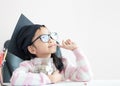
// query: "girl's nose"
[[50, 40]]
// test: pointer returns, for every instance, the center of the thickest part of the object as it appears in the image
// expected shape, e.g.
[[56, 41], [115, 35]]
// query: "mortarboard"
[[22, 21]]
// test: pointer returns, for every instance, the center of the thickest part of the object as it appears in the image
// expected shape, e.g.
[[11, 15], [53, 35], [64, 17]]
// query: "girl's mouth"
[[53, 45]]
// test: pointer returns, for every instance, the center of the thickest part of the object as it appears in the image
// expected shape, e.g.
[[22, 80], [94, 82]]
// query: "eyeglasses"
[[46, 37]]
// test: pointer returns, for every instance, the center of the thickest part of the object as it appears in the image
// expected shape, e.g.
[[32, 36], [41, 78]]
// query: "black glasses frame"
[[49, 35]]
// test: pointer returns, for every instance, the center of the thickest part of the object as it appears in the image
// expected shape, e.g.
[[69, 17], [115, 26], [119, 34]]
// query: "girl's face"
[[42, 49]]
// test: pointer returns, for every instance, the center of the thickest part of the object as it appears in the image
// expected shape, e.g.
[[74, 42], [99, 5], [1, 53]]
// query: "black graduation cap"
[[12, 48]]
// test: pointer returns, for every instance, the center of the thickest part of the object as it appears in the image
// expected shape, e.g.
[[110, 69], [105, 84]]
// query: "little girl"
[[41, 65]]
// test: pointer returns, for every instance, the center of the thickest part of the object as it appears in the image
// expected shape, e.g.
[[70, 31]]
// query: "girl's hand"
[[68, 44], [55, 77]]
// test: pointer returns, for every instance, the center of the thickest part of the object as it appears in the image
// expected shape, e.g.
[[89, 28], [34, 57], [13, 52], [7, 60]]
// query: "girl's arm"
[[22, 76], [82, 71]]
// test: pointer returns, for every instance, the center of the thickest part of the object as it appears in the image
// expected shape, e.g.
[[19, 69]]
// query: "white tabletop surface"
[[91, 83], [104, 83]]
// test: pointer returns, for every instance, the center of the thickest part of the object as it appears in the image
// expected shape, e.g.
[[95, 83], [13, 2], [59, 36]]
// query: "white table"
[[91, 83], [104, 83]]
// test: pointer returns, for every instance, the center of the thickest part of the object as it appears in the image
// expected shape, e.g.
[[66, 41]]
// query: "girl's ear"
[[31, 49]]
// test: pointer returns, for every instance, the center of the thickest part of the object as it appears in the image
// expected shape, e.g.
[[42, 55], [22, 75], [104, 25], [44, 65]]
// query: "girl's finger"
[[64, 43], [69, 41]]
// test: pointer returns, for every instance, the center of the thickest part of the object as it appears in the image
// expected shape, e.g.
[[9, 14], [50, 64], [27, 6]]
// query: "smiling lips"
[[53, 45]]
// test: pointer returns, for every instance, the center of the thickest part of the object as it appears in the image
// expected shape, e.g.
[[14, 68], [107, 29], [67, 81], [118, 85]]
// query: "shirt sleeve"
[[80, 72], [22, 76]]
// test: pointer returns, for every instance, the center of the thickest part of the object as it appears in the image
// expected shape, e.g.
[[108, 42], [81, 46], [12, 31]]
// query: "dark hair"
[[24, 39]]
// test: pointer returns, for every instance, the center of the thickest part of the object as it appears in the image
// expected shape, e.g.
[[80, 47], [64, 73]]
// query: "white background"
[[93, 24]]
